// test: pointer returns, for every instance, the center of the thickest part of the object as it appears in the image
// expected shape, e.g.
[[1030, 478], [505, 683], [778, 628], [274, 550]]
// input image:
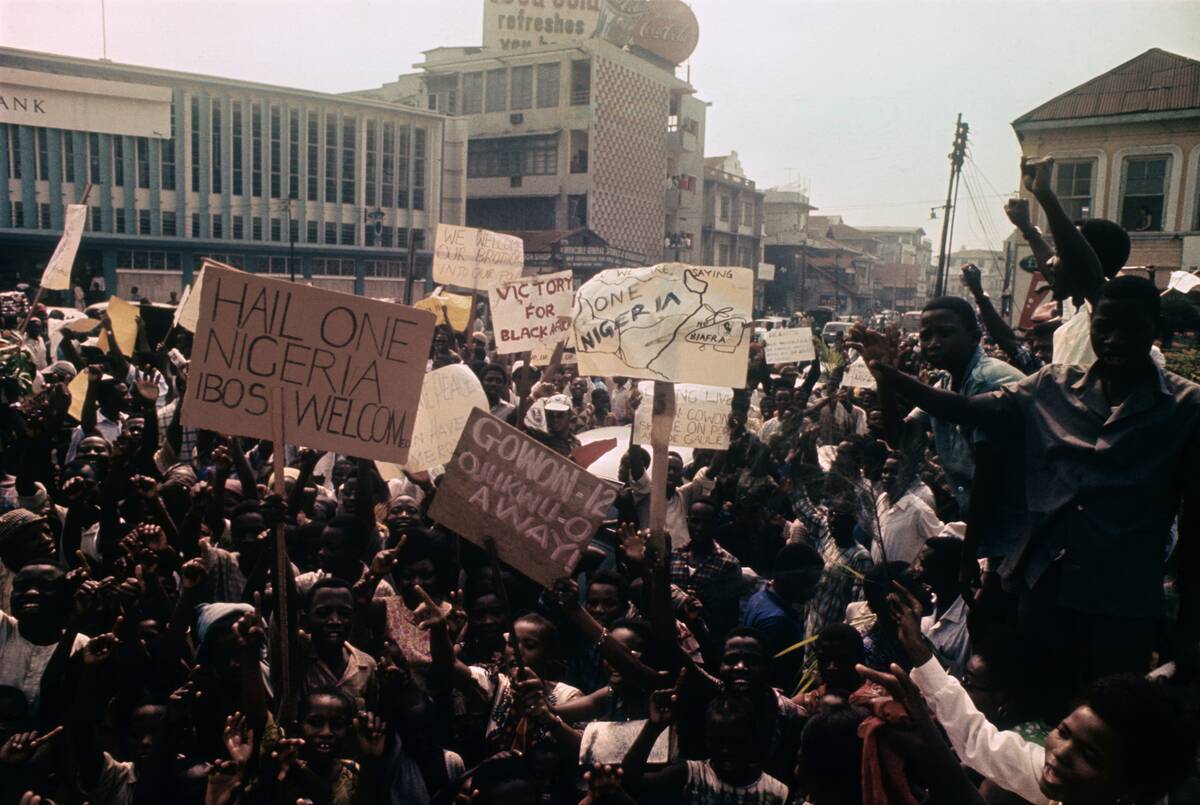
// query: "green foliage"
[[1184, 362]]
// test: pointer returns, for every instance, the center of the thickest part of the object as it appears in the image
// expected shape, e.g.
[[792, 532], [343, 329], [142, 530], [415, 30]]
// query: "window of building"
[[218, 227], [331, 233], [236, 122], [68, 145], [118, 161], [547, 85], [496, 90], [256, 228], [14, 153], [579, 151], [119, 225], [581, 82], [276, 134], [472, 93], [256, 150], [387, 180], [723, 252], [96, 220], [1144, 199], [93, 147], [313, 156], [44, 216], [405, 141], [195, 224], [195, 129], [418, 169], [168, 224], [310, 232], [372, 163], [333, 266], [293, 153], [239, 227], [142, 150], [43, 154], [386, 235], [522, 87], [513, 156], [276, 229], [1073, 185], [331, 161], [214, 143], [18, 215], [348, 144], [348, 234], [166, 156], [143, 222], [284, 265], [293, 230], [724, 203]]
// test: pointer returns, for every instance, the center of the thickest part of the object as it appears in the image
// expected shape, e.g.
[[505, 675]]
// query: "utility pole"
[[957, 155]]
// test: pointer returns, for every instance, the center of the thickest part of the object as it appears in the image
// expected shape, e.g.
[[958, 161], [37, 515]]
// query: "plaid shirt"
[[187, 438], [714, 579], [838, 586]]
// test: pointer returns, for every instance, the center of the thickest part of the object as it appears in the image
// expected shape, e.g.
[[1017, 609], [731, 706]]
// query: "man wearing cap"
[[25, 539], [549, 421]]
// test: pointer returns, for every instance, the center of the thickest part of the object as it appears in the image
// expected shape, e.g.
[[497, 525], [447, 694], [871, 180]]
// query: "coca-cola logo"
[[668, 29]]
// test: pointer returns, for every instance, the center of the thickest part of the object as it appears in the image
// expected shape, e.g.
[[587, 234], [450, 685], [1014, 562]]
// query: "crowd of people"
[[974, 583]]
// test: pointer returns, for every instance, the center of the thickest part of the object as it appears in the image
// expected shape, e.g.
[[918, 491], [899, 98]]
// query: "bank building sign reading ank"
[[84, 104]]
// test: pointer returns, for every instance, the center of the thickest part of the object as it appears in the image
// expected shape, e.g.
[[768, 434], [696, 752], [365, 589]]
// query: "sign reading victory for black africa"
[[350, 368], [541, 508]]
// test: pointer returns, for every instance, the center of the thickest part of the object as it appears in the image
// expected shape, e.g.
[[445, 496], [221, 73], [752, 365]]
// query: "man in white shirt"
[[680, 497], [904, 518]]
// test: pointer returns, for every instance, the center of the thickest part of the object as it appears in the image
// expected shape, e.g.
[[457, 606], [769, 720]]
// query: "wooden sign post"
[[660, 434], [282, 565]]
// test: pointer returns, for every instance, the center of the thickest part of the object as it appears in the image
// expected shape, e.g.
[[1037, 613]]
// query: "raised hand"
[[566, 594], [906, 611], [662, 707], [372, 735], [874, 346], [222, 459], [972, 277], [386, 560], [224, 783], [1037, 174], [633, 542], [249, 628], [194, 573], [147, 386], [285, 755], [99, 649], [20, 747], [238, 739], [428, 614], [604, 784], [1017, 210]]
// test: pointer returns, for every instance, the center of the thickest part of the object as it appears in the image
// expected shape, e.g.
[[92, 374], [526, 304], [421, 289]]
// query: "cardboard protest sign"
[[531, 312], [78, 388], [451, 307], [701, 416], [790, 345], [541, 508], [541, 356], [766, 272], [686, 324], [448, 396], [124, 317], [187, 314], [350, 369], [858, 376], [610, 741], [475, 258], [57, 274]]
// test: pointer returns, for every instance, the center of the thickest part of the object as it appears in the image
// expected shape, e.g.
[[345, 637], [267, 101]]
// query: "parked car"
[[835, 329]]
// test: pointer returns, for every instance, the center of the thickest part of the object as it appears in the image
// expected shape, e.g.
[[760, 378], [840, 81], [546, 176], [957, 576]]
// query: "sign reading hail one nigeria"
[[350, 368], [686, 324]]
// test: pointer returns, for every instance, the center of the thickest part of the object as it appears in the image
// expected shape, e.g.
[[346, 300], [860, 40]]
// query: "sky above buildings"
[[856, 100]]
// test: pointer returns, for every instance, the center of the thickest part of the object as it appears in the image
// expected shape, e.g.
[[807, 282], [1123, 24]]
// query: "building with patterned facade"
[[571, 135], [328, 188], [734, 214]]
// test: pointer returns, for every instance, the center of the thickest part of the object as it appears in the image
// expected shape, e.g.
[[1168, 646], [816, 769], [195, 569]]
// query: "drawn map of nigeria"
[[671, 321]]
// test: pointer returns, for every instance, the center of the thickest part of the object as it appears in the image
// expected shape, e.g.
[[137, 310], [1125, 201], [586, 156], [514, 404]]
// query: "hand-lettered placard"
[[686, 324], [701, 416], [531, 312], [475, 258], [789, 345], [350, 368], [540, 508]]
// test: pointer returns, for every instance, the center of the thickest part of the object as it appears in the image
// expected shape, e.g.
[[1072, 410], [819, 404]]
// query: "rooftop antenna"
[[103, 32]]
